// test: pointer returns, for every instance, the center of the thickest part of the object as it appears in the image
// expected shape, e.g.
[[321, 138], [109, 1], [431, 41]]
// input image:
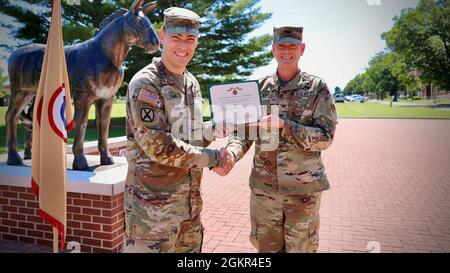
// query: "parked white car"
[[339, 98], [358, 98]]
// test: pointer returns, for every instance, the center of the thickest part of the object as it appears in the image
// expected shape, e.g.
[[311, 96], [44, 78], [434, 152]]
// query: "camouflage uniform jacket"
[[295, 165], [163, 163]]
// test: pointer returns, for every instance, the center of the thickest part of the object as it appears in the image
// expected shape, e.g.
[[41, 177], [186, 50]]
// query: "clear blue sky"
[[341, 36]]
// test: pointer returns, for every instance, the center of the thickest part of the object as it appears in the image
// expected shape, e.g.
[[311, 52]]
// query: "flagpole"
[[55, 231], [55, 240]]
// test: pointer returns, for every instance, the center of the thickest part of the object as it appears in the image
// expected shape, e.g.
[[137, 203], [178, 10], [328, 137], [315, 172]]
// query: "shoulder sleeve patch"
[[147, 114], [149, 97]]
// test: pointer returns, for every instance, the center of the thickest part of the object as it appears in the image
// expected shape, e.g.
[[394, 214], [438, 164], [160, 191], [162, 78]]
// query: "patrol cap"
[[180, 21], [287, 34]]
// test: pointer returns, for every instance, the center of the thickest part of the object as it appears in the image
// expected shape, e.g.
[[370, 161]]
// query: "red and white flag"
[[52, 120]]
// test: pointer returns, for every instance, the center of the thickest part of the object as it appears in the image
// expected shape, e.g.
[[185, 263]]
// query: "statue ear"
[[149, 7], [137, 4]]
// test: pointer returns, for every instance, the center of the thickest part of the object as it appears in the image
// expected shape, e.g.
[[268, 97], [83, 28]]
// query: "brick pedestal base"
[[95, 216], [95, 221]]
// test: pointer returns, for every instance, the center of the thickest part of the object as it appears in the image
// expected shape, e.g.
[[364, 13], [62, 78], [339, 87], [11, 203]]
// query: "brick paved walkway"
[[390, 183]]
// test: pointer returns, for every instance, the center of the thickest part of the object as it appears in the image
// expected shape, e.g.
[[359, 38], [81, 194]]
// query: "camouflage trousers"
[[284, 223], [158, 222], [187, 237]]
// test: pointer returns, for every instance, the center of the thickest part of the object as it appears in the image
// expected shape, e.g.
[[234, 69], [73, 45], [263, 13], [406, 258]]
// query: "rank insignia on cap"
[[149, 97], [147, 114]]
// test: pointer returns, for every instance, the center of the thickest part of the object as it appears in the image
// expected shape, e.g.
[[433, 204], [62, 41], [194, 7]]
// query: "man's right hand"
[[226, 162]]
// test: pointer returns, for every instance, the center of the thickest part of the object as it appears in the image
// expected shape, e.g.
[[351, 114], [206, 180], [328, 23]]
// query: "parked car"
[[358, 98], [347, 98], [339, 98]]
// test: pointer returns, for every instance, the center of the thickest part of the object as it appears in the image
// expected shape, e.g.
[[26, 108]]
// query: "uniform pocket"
[[131, 245], [158, 177], [190, 236], [173, 103]]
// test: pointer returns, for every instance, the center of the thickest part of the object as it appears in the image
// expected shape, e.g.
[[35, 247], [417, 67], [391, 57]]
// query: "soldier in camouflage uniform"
[[166, 151], [286, 181]]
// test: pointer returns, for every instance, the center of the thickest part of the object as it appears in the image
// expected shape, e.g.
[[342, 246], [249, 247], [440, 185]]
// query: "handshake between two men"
[[226, 158]]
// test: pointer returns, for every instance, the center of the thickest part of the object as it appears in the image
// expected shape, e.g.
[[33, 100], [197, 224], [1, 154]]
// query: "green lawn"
[[206, 110], [374, 110], [428, 102], [378, 110], [347, 110]]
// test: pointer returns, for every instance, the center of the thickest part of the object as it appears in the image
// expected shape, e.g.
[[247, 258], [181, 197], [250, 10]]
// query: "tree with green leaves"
[[337, 90], [421, 36], [409, 81], [381, 74], [387, 74], [355, 86], [225, 52], [368, 85]]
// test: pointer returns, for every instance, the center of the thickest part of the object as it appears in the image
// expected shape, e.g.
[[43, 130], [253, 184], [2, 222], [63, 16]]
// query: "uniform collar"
[[292, 84], [167, 77]]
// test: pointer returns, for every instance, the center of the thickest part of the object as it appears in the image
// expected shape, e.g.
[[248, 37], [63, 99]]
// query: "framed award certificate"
[[235, 103]]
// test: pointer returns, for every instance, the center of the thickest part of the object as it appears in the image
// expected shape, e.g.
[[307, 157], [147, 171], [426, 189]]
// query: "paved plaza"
[[390, 184]]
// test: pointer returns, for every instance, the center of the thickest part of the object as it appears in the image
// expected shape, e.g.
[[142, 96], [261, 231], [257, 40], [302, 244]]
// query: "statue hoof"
[[14, 159], [80, 164], [106, 160]]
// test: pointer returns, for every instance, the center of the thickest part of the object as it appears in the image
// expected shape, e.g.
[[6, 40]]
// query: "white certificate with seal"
[[235, 103]]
